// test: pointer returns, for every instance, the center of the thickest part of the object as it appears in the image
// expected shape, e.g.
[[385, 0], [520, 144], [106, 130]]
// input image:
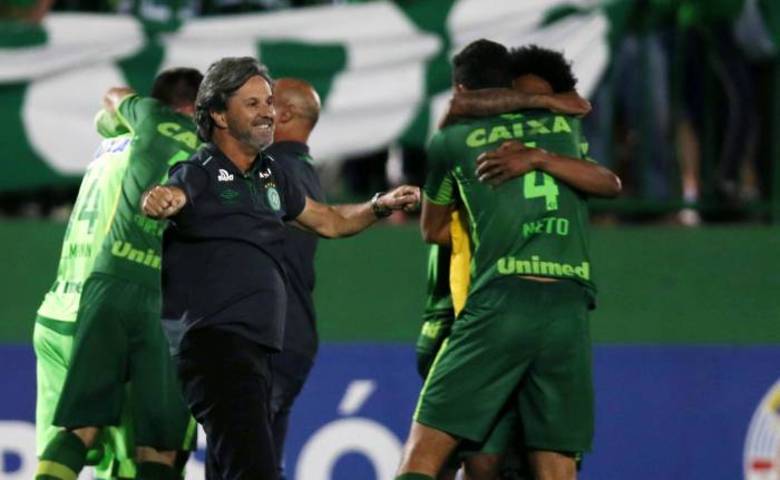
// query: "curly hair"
[[545, 63], [222, 79]]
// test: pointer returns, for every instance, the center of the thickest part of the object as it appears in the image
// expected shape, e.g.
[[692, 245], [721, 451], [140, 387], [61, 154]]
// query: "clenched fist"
[[163, 202], [405, 197]]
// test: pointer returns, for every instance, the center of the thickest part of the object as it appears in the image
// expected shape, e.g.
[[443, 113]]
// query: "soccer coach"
[[222, 273]]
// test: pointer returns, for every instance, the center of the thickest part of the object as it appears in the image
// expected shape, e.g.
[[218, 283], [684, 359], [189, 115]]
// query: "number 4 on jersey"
[[548, 189]]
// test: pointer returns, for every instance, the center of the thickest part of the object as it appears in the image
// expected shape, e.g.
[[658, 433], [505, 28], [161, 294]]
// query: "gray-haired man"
[[222, 275]]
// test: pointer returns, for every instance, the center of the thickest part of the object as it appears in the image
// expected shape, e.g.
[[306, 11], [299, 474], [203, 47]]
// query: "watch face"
[[378, 210]]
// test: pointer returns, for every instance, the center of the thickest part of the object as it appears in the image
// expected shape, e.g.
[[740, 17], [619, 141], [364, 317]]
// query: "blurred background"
[[686, 97]]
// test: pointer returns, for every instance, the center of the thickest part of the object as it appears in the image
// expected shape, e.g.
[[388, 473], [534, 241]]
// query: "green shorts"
[[118, 340], [435, 330], [517, 343], [53, 342]]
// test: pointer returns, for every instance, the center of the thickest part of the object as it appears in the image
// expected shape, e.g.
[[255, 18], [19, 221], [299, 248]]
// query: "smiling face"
[[250, 113]]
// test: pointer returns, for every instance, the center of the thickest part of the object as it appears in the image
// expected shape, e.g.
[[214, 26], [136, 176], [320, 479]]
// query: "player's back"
[[529, 226], [161, 138], [86, 228]]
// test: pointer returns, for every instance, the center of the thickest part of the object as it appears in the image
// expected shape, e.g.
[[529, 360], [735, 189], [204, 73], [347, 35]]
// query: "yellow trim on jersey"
[[460, 262]]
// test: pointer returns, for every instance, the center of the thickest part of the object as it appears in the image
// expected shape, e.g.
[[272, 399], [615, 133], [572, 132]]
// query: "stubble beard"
[[258, 140]]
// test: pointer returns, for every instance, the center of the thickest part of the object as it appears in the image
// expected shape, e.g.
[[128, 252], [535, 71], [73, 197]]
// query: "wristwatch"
[[380, 212]]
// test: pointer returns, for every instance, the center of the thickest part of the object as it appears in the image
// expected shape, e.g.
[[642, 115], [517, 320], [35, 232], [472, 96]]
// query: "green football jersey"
[[86, 228], [438, 296], [531, 226], [160, 138]]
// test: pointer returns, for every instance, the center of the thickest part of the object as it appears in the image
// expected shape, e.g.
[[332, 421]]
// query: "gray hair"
[[222, 79]]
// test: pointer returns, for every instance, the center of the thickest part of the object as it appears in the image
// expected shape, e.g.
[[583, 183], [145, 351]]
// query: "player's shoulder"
[[558, 121], [161, 117], [139, 106], [443, 136], [153, 112], [463, 127], [176, 128], [161, 130], [460, 124], [202, 159], [437, 144], [452, 137]]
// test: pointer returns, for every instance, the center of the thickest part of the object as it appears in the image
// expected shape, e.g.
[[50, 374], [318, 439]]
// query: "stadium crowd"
[[685, 112]]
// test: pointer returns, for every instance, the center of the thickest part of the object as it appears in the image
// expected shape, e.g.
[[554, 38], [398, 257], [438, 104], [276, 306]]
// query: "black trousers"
[[290, 371], [227, 384]]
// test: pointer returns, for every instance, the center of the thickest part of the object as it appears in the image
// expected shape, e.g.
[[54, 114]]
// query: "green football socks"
[[63, 458]]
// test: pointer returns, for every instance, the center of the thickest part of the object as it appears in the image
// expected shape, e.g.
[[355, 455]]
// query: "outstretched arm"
[[513, 159], [345, 220], [494, 101]]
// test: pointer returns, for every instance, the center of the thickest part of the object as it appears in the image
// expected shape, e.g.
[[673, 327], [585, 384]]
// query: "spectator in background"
[[636, 92], [758, 34], [720, 100]]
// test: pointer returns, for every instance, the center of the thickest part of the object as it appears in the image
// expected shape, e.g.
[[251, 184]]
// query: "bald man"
[[297, 111]]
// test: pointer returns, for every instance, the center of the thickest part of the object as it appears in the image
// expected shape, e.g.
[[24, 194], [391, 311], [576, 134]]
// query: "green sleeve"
[[108, 125], [584, 150], [133, 110], [583, 146], [439, 182]]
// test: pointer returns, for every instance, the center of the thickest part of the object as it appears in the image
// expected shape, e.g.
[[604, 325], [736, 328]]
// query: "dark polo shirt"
[[300, 332], [222, 253]]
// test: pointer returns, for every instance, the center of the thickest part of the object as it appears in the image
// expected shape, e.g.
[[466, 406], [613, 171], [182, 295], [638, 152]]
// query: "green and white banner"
[[381, 68]]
